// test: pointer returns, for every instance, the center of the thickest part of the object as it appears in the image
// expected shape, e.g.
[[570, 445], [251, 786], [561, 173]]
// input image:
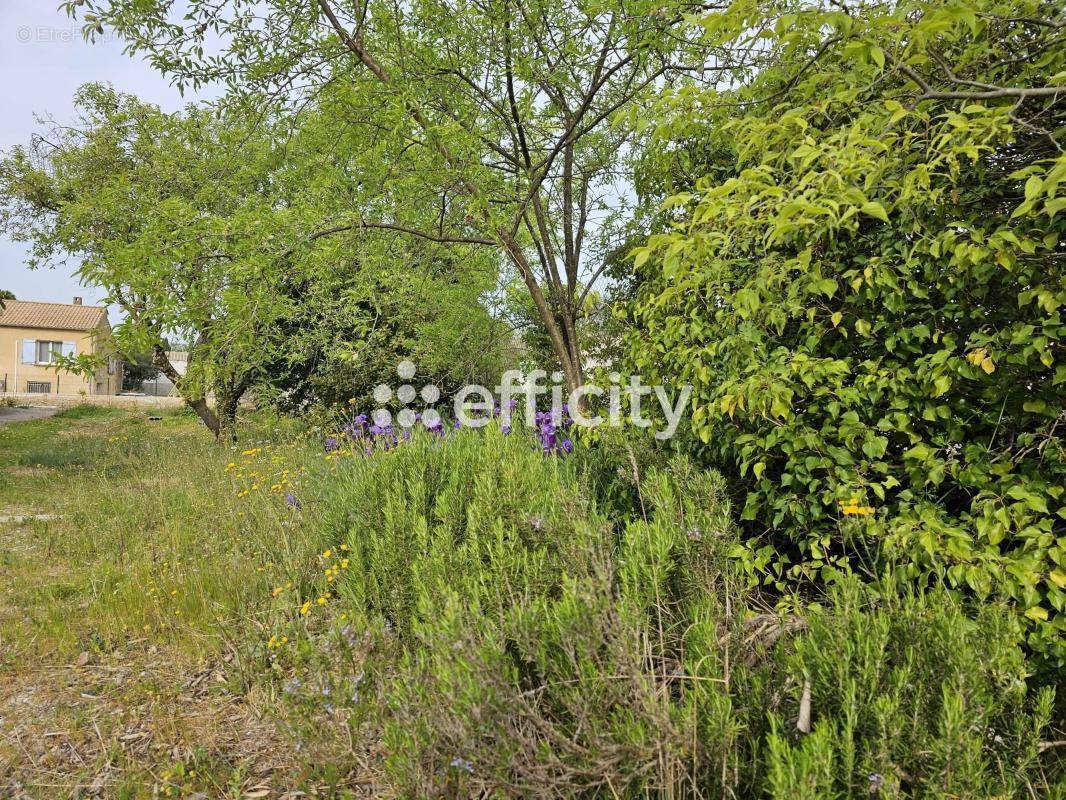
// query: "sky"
[[43, 60]]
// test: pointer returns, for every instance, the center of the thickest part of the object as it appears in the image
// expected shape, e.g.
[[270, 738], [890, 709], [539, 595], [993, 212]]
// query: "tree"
[[497, 124], [866, 289], [5, 295], [169, 214], [356, 317], [137, 369]]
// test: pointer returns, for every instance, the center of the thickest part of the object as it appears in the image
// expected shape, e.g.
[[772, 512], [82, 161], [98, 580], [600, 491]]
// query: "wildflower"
[[327, 554], [292, 501], [463, 764], [277, 590], [344, 547], [332, 444], [321, 600], [851, 507], [305, 608]]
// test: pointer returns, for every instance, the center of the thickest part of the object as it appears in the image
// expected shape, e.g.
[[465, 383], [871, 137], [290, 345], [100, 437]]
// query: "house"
[[33, 334]]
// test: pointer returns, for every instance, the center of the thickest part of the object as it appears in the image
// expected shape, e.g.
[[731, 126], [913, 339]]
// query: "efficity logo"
[[590, 405]]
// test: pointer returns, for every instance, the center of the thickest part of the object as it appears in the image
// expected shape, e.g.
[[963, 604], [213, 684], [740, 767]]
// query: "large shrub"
[[866, 292], [503, 637]]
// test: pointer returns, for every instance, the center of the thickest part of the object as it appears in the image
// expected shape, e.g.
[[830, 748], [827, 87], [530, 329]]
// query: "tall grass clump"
[[516, 640]]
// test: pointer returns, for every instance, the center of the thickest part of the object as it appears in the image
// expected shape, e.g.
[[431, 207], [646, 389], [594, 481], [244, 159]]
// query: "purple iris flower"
[[332, 444], [293, 501]]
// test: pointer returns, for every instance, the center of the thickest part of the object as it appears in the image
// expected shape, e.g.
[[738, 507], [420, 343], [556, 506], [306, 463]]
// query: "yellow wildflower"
[[862, 511], [305, 608]]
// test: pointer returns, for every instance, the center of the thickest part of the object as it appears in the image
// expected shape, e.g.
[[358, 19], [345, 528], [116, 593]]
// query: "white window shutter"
[[29, 351], [68, 349]]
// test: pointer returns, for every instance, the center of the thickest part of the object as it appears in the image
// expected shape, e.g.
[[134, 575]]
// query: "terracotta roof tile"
[[51, 316]]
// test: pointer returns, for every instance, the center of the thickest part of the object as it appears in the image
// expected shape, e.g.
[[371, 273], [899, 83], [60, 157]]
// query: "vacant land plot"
[[460, 615], [128, 575]]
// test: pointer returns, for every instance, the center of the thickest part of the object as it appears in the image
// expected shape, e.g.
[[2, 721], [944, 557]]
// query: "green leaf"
[[1033, 187], [874, 209]]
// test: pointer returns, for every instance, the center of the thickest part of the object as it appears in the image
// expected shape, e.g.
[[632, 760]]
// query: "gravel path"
[[22, 414]]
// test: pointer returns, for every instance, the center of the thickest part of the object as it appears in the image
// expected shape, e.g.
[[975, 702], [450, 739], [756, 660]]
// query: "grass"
[[148, 574], [452, 620]]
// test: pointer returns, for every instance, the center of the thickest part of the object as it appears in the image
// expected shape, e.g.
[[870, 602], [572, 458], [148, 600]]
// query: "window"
[[42, 352], [47, 351], [38, 387]]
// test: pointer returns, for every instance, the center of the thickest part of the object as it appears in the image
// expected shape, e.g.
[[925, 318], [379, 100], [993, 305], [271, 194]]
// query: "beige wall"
[[18, 374]]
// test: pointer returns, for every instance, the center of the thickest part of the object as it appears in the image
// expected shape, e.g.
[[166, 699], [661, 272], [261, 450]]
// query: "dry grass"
[[132, 623]]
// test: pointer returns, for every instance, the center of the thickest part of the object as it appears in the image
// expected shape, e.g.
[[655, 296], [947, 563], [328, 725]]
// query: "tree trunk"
[[226, 402], [197, 404]]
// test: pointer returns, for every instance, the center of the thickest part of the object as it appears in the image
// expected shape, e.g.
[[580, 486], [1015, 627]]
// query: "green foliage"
[[897, 684], [167, 214], [495, 124], [632, 663], [508, 638], [866, 293], [350, 328], [203, 225]]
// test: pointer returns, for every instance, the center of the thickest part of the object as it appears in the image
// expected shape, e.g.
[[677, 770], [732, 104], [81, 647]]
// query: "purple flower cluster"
[[553, 428], [367, 433]]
